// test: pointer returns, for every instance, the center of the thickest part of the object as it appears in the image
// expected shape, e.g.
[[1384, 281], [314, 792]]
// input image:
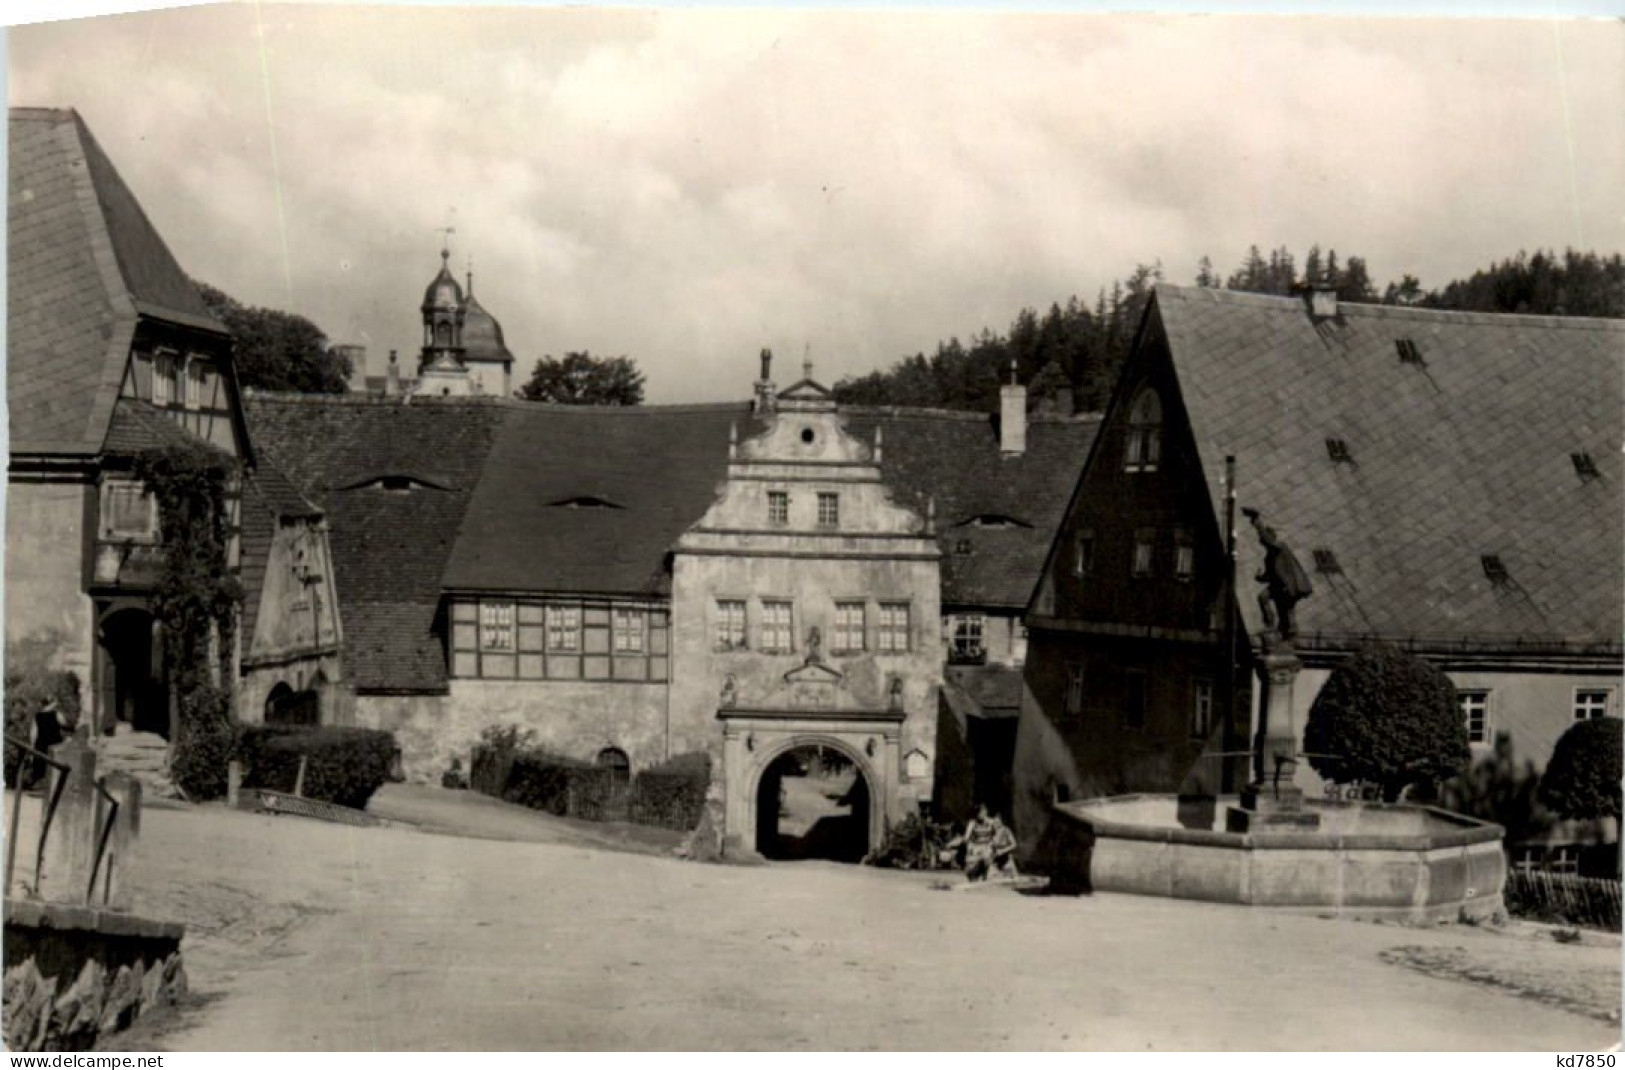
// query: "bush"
[[1582, 781], [342, 765], [1498, 789], [913, 843], [672, 794], [542, 781], [1388, 717], [28, 683], [201, 750]]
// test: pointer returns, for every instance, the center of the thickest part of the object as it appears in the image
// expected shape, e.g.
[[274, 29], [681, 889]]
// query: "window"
[[1143, 450], [1074, 689], [1475, 712], [1134, 700], [1083, 553], [1494, 568], [851, 618], [892, 636], [1584, 466], [630, 628], [196, 380], [829, 510], [562, 639], [730, 625], [1563, 859], [1527, 859], [1184, 556], [1338, 450], [1590, 703], [1144, 549], [776, 628], [778, 507], [128, 512], [163, 380], [965, 643], [1018, 642], [1201, 709], [563, 629]]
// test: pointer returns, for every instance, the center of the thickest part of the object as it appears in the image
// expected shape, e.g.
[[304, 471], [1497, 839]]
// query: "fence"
[[1564, 898], [85, 827]]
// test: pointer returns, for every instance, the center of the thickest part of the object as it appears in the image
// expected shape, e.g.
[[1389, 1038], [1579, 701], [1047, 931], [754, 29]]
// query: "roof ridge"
[[1379, 310]]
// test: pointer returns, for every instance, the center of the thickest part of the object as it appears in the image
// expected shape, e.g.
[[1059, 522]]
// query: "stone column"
[[71, 845], [1274, 798], [121, 845]]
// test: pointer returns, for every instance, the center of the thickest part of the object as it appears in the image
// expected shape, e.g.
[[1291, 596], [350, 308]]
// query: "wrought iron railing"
[[58, 775]]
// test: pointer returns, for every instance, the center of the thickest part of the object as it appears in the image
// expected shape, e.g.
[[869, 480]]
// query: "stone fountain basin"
[[1372, 860]]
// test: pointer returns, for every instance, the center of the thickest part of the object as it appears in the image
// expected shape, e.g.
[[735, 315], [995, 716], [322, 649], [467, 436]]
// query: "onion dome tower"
[[442, 317], [484, 351]]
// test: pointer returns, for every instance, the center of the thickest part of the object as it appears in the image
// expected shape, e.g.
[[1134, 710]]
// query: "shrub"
[[1497, 789], [541, 780], [1582, 781], [342, 765], [1388, 717], [913, 843], [672, 794], [203, 746], [28, 683]]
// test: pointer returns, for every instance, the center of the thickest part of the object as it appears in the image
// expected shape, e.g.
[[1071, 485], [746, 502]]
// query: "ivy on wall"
[[196, 604]]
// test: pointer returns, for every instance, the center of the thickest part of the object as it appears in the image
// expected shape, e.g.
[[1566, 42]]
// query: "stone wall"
[[45, 599], [74, 974]]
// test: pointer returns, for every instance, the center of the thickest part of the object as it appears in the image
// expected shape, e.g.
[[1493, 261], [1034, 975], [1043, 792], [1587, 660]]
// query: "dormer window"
[[584, 501], [1338, 450], [1143, 449], [395, 483], [1495, 569], [1408, 352], [1584, 466], [163, 380]]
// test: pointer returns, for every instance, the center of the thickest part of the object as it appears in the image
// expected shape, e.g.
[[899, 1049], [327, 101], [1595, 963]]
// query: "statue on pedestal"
[[1285, 582]]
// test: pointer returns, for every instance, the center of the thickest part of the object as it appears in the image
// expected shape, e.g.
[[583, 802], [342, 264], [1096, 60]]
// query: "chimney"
[[1012, 416], [1319, 298], [392, 376], [766, 392]]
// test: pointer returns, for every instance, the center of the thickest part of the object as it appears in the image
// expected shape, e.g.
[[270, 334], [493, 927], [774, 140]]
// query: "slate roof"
[[390, 548], [268, 498], [136, 426], [1465, 455], [507, 466], [83, 265]]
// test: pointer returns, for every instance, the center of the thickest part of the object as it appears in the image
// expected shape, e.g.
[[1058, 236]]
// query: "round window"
[[807, 435]]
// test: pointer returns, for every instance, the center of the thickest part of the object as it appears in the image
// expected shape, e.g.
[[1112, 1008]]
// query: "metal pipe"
[[101, 843]]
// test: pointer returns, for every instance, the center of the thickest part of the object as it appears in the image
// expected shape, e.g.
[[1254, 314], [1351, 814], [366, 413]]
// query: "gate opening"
[[813, 802]]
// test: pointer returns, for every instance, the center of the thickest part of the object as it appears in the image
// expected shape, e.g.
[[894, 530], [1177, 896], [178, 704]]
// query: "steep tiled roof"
[[136, 427], [390, 548], [1465, 454], [268, 498], [84, 263]]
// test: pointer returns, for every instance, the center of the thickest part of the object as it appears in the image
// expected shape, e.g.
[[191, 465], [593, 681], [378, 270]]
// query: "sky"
[[688, 186]]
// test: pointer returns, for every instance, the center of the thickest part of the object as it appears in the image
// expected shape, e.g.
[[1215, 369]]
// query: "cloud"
[[687, 186]]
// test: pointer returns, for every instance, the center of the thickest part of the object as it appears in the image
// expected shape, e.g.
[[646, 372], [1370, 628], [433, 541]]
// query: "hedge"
[[343, 765], [672, 794], [26, 689]]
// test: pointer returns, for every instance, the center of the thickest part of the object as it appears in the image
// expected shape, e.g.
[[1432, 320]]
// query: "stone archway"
[[813, 798]]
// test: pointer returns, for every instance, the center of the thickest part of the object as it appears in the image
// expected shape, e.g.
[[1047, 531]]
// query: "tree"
[[1387, 717], [1497, 788], [1582, 781], [278, 350], [583, 379]]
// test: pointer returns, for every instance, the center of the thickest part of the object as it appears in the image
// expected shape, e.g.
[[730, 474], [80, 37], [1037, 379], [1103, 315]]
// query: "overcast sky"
[[687, 187]]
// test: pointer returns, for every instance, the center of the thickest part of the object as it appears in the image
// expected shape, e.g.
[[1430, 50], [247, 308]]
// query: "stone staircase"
[[143, 755]]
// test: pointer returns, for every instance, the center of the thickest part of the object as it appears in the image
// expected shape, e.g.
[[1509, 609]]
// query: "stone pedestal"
[[1274, 800], [70, 848]]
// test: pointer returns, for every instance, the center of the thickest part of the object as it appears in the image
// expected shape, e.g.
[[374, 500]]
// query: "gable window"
[[965, 641], [128, 512], [776, 628], [1074, 688], [892, 636], [1591, 703], [1143, 449], [829, 509], [1475, 713], [1083, 553], [196, 381], [163, 380], [778, 507], [629, 627], [851, 619], [1145, 542], [730, 624], [1134, 684], [1184, 556], [1201, 709]]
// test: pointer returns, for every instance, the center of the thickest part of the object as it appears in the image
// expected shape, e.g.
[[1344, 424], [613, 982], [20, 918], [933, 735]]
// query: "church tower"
[[442, 318]]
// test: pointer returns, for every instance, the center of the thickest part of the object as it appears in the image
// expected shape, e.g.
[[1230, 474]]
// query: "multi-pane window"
[[892, 635], [1201, 709], [1018, 642], [850, 622], [128, 512], [1074, 688], [778, 507], [776, 628], [1590, 703], [1083, 553], [1145, 544], [965, 640], [1475, 713], [1143, 448], [163, 380], [559, 639], [563, 629], [196, 380], [1134, 685], [829, 509], [1184, 556], [730, 624], [630, 626]]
